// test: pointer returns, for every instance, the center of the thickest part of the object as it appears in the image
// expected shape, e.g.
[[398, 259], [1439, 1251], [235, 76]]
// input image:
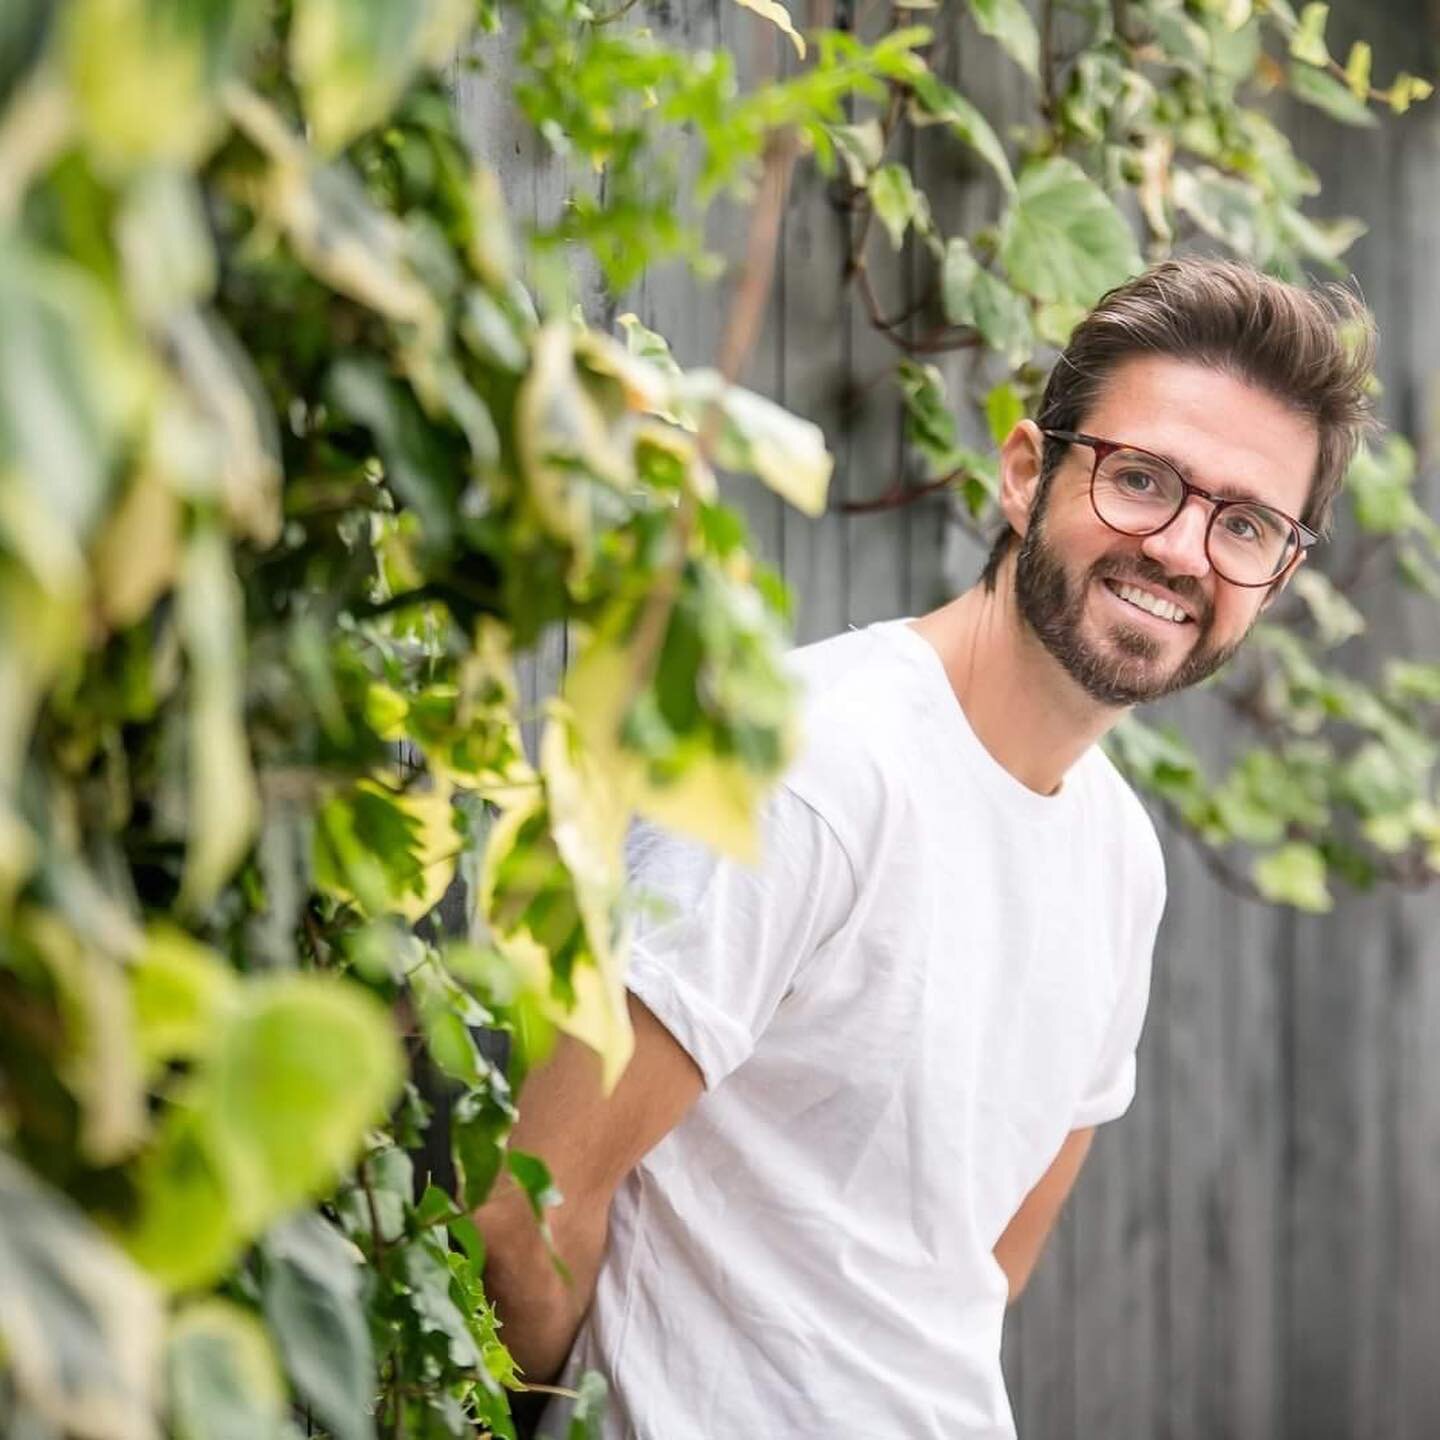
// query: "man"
[[868, 1071]]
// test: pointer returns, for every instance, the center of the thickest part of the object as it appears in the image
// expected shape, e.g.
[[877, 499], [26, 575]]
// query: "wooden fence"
[[1254, 1250]]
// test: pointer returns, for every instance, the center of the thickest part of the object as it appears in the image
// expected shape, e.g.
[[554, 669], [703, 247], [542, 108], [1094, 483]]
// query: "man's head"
[[1252, 389]]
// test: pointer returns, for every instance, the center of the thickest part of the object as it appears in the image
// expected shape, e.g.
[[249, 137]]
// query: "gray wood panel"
[[1254, 1251]]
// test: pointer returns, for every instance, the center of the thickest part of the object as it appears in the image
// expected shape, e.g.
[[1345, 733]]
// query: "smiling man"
[[868, 1070]]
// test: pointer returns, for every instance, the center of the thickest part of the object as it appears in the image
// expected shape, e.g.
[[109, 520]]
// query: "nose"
[[1180, 546]]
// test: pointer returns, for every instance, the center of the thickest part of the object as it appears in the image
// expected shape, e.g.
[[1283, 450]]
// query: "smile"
[[1150, 604]]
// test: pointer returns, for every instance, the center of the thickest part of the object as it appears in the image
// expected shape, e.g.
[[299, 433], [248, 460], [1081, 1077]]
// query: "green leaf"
[[973, 296], [178, 991], [313, 1300], [352, 58], [304, 1066], [861, 147], [897, 202], [1062, 239], [1294, 875], [1004, 409], [533, 1176], [419, 467], [1380, 483], [427, 1278], [1325, 92], [186, 1233], [1229, 209], [223, 1381], [589, 1412], [936, 103], [1009, 22], [480, 1121], [80, 1326]]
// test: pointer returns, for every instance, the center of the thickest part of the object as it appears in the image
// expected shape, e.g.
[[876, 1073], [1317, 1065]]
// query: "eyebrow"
[[1220, 492]]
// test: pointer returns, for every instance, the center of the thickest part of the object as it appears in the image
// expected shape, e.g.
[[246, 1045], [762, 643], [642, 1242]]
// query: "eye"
[[1244, 525], [1135, 481]]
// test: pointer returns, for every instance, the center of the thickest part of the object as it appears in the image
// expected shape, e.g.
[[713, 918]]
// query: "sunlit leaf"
[[179, 989], [1294, 875], [935, 102], [779, 16]]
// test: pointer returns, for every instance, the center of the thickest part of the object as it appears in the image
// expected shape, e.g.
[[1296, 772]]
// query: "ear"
[[1278, 585], [1021, 458]]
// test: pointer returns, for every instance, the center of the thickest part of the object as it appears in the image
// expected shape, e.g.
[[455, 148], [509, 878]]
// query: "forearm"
[[540, 1310]]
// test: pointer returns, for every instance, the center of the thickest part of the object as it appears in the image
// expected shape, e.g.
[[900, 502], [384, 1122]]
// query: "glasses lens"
[[1251, 544], [1135, 492]]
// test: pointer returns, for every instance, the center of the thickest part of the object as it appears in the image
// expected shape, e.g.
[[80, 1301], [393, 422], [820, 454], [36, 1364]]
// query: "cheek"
[[1235, 612]]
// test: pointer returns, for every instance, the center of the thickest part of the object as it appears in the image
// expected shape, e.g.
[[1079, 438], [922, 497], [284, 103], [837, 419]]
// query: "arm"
[[590, 1144], [1019, 1247]]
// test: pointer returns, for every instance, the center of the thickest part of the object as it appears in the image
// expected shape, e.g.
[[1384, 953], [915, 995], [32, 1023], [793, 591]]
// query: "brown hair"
[[1313, 349]]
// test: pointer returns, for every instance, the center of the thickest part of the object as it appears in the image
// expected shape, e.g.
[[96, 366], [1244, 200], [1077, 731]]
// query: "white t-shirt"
[[933, 976]]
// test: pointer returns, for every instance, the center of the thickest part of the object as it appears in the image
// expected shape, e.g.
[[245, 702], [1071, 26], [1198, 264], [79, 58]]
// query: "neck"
[[1024, 709]]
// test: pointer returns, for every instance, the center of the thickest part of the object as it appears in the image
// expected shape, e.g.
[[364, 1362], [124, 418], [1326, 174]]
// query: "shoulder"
[[855, 713], [1128, 826]]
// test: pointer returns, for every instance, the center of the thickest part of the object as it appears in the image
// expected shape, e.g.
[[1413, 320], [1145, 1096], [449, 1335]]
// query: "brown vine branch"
[[900, 495]]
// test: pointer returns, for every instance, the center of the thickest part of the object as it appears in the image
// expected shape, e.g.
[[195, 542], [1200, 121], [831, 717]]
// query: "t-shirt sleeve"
[[1113, 1086], [717, 945]]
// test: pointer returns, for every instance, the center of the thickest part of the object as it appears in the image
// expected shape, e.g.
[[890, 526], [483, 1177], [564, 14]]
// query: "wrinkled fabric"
[[931, 978]]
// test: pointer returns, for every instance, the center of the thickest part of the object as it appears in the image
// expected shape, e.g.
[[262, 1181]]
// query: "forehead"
[[1224, 433]]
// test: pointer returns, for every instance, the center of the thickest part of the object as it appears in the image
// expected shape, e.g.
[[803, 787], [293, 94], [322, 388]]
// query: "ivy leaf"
[[1009, 22], [1380, 483], [427, 1277], [224, 1382], [1222, 206], [313, 1301], [80, 1325], [1062, 239], [1325, 92], [971, 295], [936, 103], [1294, 875], [897, 202], [861, 147]]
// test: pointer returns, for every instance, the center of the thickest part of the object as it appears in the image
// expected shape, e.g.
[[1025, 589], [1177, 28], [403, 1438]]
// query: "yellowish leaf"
[[778, 15], [138, 552]]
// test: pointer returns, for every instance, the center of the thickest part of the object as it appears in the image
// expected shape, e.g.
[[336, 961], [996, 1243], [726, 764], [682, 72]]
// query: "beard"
[[1124, 671]]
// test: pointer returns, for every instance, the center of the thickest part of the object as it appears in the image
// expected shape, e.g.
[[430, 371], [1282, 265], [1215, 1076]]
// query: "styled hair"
[[1312, 349]]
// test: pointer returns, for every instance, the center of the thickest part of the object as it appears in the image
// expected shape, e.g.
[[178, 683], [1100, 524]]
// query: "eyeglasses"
[[1137, 493]]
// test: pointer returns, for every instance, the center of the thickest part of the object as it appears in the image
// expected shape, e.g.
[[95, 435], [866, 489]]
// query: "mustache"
[[1141, 567]]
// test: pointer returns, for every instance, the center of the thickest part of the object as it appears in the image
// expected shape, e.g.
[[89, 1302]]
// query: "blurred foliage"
[[293, 467], [302, 447]]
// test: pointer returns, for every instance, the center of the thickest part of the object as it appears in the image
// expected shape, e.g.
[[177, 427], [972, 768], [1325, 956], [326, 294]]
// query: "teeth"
[[1146, 601]]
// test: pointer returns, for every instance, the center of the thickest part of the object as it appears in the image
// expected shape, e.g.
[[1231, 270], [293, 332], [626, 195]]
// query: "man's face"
[[1222, 434]]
